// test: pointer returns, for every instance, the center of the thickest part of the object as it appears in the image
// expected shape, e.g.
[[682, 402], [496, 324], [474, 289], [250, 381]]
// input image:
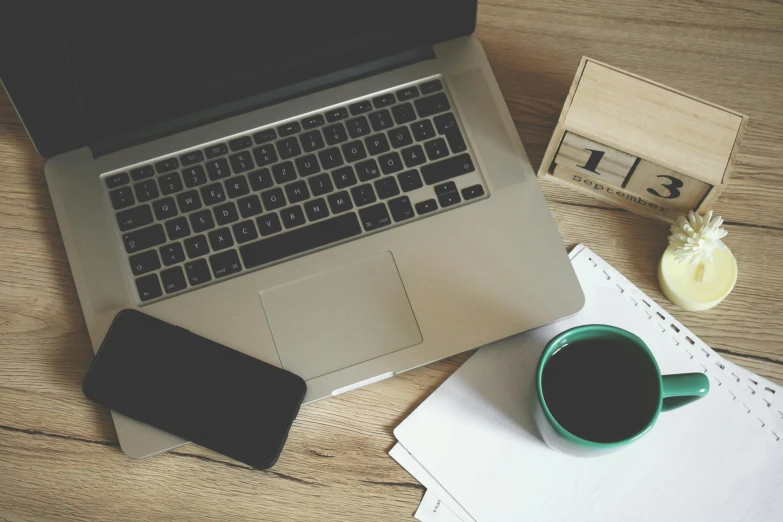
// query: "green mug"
[[609, 357]]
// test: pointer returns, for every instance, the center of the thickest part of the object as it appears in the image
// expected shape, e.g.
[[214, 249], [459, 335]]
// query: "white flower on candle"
[[694, 238]]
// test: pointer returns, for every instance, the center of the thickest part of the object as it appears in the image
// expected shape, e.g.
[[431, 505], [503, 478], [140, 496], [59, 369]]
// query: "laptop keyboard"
[[292, 188]]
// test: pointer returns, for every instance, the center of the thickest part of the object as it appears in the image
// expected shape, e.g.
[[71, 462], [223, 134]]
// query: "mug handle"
[[682, 389]]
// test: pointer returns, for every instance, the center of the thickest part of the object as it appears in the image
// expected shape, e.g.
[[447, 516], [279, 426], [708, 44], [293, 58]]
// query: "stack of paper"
[[474, 446]]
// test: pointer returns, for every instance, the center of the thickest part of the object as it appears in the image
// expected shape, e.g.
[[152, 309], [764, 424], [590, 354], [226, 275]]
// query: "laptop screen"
[[87, 74]]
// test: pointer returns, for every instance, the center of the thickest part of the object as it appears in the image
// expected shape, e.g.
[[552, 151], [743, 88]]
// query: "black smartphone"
[[197, 389]]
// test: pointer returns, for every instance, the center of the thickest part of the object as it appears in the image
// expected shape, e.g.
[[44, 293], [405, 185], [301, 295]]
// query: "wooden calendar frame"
[[641, 145]]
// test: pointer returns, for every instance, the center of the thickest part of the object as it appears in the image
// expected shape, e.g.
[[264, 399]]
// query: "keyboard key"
[[146, 190], [141, 173], [241, 162], [445, 188], [358, 127], [374, 217], [431, 86], [383, 100], [363, 195], [260, 179], [297, 192], [117, 180], [330, 158], [245, 231], [316, 235], [218, 169], [144, 262], [220, 239], [284, 172], [335, 134], [198, 272], [400, 137], [226, 213], [360, 107], [292, 216], [436, 149], [344, 177], [403, 113], [445, 122], [432, 105], [134, 217], [172, 254], [273, 199], [202, 220], [243, 142], [381, 120], [194, 176], [476, 191], [250, 206], [196, 246], [423, 130], [165, 208], [191, 157], [408, 93], [311, 122], [447, 169], [173, 280], [264, 155], [401, 208], [148, 287], [413, 156], [170, 183], [264, 136], [340, 202], [269, 224], [166, 165], [213, 194], [218, 149], [225, 264], [367, 170], [143, 239], [456, 141], [177, 228], [316, 209], [377, 144], [321, 184], [288, 148], [390, 163], [447, 200], [286, 129], [312, 141], [307, 165], [237, 186], [410, 180], [339, 113], [387, 187], [425, 207], [188, 201], [354, 151]]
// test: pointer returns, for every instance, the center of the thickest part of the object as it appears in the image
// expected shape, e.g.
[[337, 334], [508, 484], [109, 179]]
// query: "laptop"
[[336, 188]]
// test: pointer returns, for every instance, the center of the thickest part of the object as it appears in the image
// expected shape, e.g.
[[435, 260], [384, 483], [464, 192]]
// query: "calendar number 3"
[[673, 188]]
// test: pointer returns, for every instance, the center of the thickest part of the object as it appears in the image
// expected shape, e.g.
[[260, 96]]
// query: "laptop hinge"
[[272, 97]]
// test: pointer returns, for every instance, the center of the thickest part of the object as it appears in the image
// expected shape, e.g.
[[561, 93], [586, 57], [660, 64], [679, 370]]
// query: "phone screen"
[[197, 389]]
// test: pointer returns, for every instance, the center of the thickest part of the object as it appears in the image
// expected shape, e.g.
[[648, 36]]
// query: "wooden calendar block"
[[641, 145]]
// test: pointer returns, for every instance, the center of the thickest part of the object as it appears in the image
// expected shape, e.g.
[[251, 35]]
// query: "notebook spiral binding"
[[761, 399]]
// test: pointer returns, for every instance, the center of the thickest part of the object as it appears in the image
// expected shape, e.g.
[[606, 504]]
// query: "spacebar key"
[[300, 240], [447, 169]]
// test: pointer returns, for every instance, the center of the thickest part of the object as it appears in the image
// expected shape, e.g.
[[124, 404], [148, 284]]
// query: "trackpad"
[[341, 317]]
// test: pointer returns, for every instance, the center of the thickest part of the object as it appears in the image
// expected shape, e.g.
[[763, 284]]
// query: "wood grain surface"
[[59, 456]]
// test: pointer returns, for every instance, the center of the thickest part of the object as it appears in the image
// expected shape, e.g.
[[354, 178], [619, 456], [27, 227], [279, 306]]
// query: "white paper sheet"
[[432, 509], [718, 459]]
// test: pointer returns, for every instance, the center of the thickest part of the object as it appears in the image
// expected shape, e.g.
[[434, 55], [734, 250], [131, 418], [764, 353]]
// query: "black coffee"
[[601, 390]]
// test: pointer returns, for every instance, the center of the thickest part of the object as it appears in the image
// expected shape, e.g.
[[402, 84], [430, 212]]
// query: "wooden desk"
[[59, 456]]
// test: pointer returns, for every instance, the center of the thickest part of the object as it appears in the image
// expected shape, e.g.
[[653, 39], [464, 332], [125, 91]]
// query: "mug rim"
[[556, 343]]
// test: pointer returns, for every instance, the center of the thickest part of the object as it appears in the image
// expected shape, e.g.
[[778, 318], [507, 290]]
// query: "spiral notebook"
[[473, 444]]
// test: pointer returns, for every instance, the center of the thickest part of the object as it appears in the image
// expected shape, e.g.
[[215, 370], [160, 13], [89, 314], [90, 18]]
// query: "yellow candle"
[[701, 286]]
